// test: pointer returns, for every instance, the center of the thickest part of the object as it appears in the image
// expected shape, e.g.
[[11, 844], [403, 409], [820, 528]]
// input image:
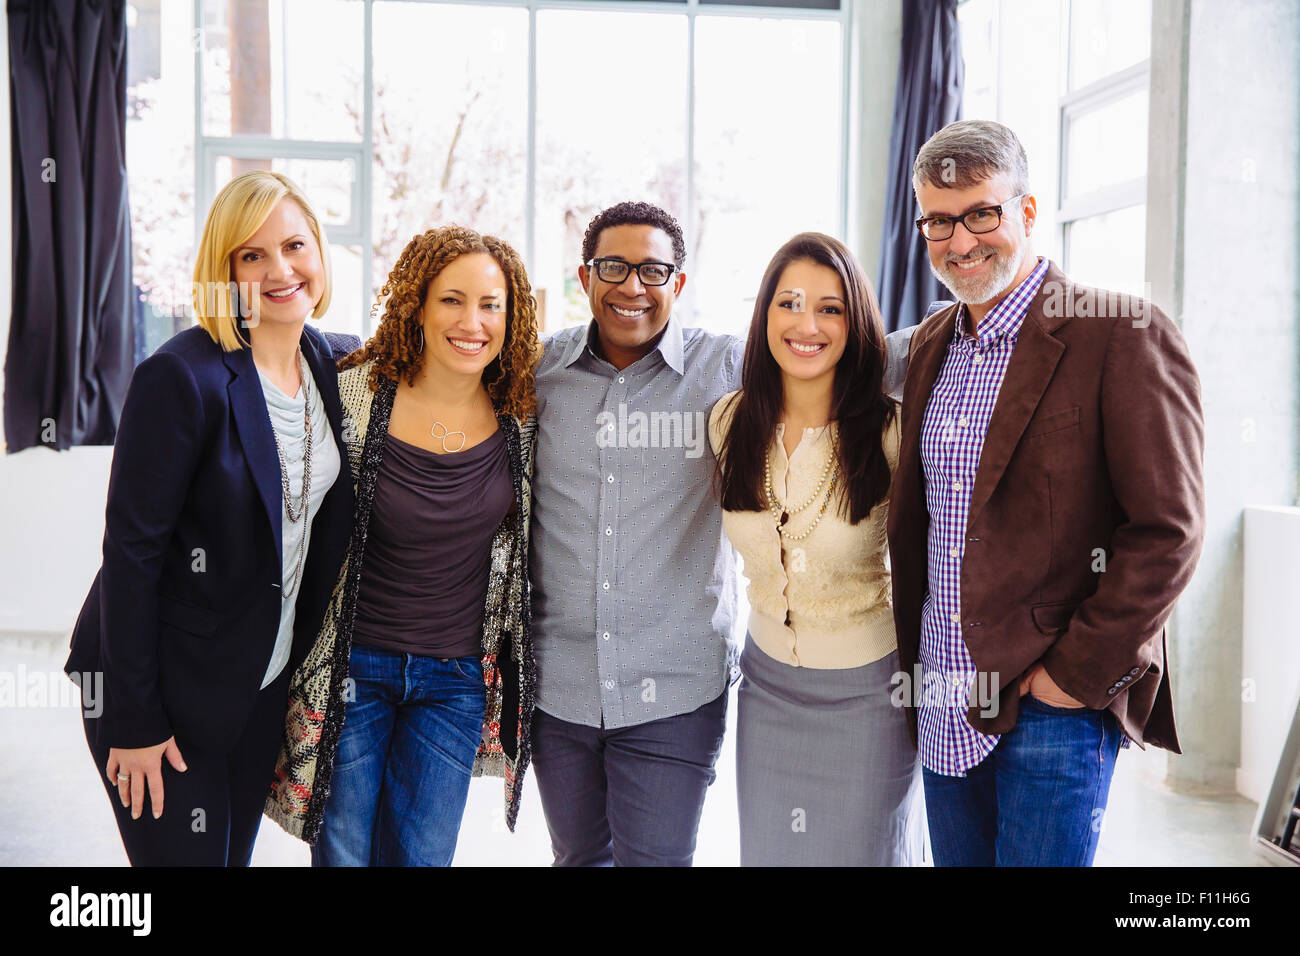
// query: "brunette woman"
[[827, 773]]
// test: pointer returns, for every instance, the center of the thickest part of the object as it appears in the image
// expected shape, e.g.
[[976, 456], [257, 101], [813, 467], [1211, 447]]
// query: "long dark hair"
[[857, 402]]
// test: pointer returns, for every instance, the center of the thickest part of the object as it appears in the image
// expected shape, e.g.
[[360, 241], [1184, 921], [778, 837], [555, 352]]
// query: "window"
[[520, 119], [1072, 79], [605, 133], [160, 163], [1104, 143]]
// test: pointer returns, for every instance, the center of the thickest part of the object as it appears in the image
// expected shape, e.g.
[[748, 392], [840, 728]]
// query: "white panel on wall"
[[1270, 644]]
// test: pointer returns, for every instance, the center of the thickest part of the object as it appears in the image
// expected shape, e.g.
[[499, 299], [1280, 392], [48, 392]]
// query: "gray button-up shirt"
[[634, 585]]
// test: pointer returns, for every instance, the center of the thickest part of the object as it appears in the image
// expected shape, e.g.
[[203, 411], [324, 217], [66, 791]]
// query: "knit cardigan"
[[319, 687]]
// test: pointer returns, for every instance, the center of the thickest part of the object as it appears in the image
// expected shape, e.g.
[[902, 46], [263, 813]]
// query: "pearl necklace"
[[825, 484]]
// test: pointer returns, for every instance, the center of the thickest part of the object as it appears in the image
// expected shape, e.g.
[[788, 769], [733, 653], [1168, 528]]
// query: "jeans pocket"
[[470, 668]]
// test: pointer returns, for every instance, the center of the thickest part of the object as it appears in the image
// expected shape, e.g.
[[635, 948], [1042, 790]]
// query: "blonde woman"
[[224, 533], [424, 672]]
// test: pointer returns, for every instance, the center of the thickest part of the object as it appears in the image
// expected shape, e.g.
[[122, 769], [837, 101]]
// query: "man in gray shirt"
[[634, 585]]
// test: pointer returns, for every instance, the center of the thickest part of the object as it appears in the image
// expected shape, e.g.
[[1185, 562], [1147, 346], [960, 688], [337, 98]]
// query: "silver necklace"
[[444, 434], [305, 497]]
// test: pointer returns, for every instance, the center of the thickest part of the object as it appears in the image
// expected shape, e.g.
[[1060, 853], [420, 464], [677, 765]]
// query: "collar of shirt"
[[1005, 318], [670, 345]]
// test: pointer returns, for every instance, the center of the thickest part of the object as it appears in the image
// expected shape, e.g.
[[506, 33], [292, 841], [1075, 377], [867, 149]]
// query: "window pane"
[[291, 69], [607, 131], [1109, 251], [160, 163], [327, 183], [979, 95], [450, 123], [349, 302], [767, 138], [1107, 36], [1094, 161]]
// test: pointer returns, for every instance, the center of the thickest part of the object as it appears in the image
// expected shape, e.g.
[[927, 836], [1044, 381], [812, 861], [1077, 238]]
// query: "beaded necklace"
[[825, 485]]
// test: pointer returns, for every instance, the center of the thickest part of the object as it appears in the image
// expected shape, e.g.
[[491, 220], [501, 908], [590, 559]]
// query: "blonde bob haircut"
[[236, 214]]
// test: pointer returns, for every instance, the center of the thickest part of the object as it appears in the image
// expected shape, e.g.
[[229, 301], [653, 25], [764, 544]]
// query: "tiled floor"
[[54, 810]]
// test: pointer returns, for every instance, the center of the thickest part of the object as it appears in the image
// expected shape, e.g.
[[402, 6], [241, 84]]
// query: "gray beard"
[[977, 292]]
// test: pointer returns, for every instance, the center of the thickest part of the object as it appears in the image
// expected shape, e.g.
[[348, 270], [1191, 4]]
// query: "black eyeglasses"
[[615, 271], [977, 221]]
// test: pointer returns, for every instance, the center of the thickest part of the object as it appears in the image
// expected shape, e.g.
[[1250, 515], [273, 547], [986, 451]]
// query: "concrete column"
[[1222, 257]]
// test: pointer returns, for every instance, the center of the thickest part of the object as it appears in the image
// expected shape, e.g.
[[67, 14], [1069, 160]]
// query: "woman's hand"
[[131, 768]]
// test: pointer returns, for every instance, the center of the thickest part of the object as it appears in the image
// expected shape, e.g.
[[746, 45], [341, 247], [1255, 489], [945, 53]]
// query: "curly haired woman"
[[423, 674]]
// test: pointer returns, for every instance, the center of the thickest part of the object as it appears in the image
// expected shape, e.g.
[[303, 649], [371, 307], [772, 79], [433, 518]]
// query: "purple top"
[[428, 551]]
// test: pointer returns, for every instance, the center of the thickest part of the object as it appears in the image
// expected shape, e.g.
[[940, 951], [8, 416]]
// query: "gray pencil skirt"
[[826, 772]]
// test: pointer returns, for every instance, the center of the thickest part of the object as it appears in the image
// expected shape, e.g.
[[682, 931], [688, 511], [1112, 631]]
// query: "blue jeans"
[[405, 755], [631, 796], [1036, 800]]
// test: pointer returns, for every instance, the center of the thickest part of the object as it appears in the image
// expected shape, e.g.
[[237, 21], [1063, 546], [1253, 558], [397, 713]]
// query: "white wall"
[[1224, 257], [51, 503]]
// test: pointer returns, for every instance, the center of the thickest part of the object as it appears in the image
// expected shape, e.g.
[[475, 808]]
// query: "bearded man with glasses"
[[1047, 511]]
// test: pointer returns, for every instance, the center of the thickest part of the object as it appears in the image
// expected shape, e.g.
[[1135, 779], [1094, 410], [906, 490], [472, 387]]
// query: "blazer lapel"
[[1030, 371], [253, 423]]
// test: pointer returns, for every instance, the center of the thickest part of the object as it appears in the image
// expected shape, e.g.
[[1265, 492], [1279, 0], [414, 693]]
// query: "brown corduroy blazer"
[[1096, 442]]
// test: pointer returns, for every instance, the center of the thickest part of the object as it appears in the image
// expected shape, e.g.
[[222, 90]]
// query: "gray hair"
[[969, 152]]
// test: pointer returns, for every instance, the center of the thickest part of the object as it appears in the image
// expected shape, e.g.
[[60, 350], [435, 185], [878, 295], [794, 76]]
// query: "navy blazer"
[[182, 617]]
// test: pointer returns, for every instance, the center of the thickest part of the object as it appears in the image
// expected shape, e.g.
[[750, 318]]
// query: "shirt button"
[[978, 358], [605, 585], [954, 552], [610, 479], [954, 617], [605, 636], [620, 380], [961, 422], [956, 486], [608, 531], [609, 685]]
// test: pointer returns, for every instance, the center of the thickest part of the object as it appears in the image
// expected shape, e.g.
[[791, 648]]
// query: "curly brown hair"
[[508, 378]]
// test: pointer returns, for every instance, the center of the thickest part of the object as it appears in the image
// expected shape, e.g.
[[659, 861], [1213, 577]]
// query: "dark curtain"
[[71, 333], [927, 99]]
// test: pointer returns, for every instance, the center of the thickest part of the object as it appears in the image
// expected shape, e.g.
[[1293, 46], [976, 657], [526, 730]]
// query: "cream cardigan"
[[834, 584]]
